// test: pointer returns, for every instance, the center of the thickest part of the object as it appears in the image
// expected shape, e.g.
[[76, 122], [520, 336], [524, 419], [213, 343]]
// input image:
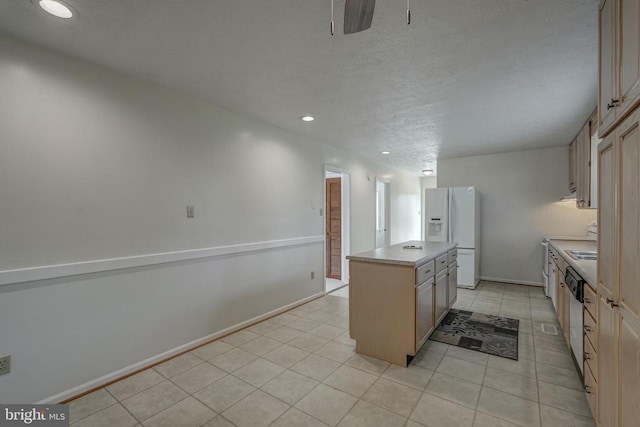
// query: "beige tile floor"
[[300, 369]]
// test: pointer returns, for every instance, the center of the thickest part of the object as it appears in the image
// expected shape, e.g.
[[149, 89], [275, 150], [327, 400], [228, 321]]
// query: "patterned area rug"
[[480, 332]]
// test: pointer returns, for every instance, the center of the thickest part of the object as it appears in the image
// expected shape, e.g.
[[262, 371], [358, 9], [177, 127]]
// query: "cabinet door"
[[628, 140], [607, 77], [442, 305], [424, 312], [572, 165], [583, 171], [606, 215], [565, 314], [559, 295], [607, 372], [453, 284], [629, 54]]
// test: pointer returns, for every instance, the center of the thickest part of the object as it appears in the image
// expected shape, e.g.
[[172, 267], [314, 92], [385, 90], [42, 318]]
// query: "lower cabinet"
[[606, 413], [424, 312], [441, 292], [453, 283]]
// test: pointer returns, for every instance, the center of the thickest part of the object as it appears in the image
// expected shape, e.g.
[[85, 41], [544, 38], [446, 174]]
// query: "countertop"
[[587, 269], [395, 254]]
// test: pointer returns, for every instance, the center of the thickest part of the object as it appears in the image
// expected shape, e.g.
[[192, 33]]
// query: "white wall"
[[95, 166], [519, 206]]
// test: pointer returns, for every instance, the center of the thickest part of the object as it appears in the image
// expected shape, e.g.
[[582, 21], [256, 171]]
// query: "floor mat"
[[480, 332]]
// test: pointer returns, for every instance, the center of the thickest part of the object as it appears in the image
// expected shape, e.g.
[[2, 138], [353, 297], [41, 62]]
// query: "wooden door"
[[607, 77], [424, 312], [629, 54], [628, 140], [333, 217], [607, 370]]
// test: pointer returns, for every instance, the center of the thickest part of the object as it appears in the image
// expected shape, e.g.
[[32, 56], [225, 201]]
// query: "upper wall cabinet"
[[583, 173], [619, 74]]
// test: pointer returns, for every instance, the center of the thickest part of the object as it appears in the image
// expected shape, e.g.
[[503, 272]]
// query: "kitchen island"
[[398, 295]]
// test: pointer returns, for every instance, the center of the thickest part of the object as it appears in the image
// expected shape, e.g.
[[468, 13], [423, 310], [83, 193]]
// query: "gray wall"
[[96, 172], [520, 194]]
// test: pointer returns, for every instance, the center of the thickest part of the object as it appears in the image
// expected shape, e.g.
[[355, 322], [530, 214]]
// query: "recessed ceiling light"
[[427, 172], [386, 152], [56, 8], [307, 118]]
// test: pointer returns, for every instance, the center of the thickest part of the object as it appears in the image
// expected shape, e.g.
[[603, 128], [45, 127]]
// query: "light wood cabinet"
[[628, 298], [581, 168], [440, 292], [395, 303], [563, 296], [619, 276], [607, 373], [452, 283], [572, 165], [583, 195], [607, 67], [424, 312], [590, 345], [619, 64]]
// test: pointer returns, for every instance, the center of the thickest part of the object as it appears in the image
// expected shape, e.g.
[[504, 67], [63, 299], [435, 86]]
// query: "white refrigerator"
[[453, 215]]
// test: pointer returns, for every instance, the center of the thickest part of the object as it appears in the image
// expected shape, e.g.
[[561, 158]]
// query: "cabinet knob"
[[587, 356], [613, 103], [611, 303], [587, 328], [587, 389], [587, 301]]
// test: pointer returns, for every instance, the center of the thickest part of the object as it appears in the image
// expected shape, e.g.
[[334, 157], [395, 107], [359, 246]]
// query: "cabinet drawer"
[[452, 256], [590, 388], [441, 263], [424, 272], [590, 355], [590, 300], [591, 329]]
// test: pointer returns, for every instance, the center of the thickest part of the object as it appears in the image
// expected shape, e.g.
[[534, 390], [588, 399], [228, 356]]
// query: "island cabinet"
[[397, 297], [452, 281]]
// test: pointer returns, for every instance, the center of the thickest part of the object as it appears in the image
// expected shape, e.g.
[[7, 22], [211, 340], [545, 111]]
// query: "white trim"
[[75, 391], [517, 282], [8, 277]]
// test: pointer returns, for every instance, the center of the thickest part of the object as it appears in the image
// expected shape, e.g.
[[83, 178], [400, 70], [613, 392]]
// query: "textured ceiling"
[[467, 77]]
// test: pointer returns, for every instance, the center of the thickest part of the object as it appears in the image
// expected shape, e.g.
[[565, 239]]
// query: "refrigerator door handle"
[[450, 211]]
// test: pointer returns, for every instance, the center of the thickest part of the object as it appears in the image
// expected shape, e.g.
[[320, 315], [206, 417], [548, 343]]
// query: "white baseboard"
[[75, 391], [516, 282]]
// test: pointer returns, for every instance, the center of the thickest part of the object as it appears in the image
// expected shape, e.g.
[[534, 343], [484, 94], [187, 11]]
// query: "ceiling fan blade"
[[358, 15]]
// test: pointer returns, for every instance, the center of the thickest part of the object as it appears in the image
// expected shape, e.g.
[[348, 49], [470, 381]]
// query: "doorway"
[[382, 214], [336, 229]]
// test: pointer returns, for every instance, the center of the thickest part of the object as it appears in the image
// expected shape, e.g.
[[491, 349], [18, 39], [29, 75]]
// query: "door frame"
[[345, 222], [387, 211]]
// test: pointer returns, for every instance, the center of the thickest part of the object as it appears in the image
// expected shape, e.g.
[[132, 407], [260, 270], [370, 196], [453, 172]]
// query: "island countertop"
[[397, 254]]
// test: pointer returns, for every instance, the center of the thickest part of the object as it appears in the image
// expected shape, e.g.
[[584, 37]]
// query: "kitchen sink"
[[583, 255]]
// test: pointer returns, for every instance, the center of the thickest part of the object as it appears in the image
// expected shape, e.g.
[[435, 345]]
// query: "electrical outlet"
[[313, 274], [190, 212], [5, 365]]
